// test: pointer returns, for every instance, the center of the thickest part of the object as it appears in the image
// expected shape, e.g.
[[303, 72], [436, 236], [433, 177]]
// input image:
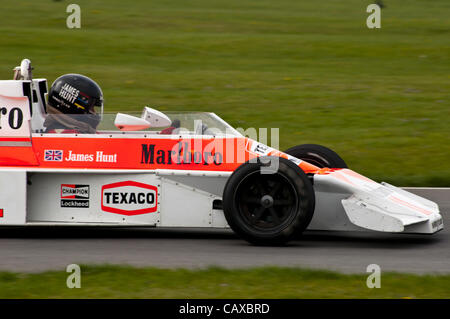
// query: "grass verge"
[[267, 282]]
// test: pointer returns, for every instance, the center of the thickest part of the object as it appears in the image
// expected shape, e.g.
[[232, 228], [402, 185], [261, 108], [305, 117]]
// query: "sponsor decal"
[[260, 149], [129, 198], [68, 93], [294, 160], [15, 117], [179, 154], [83, 98], [74, 195], [263, 150], [98, 157], [53, 155]]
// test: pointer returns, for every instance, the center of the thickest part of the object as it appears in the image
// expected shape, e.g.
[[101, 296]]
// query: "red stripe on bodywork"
[[409, 205]]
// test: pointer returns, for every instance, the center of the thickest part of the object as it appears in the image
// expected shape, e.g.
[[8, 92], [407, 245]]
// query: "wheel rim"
[[266, 201]]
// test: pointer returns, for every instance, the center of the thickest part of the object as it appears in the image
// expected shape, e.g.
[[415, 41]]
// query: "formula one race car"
[[200, 173]]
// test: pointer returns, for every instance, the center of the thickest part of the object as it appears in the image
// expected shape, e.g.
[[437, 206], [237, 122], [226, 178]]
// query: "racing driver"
[[72, 103]]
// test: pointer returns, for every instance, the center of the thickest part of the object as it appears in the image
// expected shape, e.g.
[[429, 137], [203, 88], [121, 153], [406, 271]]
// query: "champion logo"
[[74, 191], [74, 196]]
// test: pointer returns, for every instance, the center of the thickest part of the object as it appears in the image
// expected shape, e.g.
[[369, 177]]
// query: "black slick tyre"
[[267, 203]]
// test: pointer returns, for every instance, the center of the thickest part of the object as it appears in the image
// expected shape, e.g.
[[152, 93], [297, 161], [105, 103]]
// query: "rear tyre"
[[268, 209], [318, 155]]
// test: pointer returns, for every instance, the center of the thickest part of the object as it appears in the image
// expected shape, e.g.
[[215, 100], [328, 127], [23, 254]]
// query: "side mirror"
[[155, 118], [125, 122], [23, 72], [25, 69]]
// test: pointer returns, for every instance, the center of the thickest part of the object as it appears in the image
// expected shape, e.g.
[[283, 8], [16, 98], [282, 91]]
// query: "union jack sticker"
[[53, 156]]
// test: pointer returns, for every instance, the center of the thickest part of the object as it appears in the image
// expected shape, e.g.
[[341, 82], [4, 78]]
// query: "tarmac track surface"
[[37, 249]]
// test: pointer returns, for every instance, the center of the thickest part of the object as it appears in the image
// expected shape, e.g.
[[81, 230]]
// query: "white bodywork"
[[186, 199], [346, 200]]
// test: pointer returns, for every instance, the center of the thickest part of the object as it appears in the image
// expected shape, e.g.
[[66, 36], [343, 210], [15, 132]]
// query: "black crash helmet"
[[76, 94]]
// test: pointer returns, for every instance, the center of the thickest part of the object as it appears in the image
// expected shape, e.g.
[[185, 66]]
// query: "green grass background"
[[379, 97], [265, 282]]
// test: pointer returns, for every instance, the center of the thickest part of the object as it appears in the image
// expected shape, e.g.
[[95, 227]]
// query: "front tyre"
[[318, 155], [268, 209]]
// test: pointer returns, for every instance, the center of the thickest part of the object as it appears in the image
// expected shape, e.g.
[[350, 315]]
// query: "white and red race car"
[[203, 173]]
